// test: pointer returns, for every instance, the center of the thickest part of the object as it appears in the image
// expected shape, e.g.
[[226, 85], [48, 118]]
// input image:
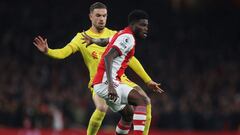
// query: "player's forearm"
[[60, 53], [108, 66], [108, 60], [136, 66], [100, 41]]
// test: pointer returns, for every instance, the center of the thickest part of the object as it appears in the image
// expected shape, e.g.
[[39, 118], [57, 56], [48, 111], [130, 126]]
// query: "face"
[[140, 28], [98, 18]]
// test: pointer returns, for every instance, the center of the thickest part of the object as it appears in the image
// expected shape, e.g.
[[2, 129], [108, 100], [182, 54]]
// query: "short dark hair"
[[136, 15], [97, 5]]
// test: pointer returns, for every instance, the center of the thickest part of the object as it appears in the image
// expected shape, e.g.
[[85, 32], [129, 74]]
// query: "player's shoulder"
[[124, 40], [110, 31], [77, 40], [126, 36], [80, 33]]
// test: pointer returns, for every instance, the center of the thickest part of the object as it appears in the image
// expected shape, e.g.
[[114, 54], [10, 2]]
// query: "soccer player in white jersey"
[[107, 82]]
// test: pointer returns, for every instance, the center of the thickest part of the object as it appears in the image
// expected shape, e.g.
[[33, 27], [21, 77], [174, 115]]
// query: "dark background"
[[193, 49]]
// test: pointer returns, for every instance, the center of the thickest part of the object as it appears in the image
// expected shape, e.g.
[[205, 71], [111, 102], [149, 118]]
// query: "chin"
[[100, 27]]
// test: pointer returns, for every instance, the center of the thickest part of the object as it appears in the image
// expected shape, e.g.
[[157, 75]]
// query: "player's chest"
[[95, 52]]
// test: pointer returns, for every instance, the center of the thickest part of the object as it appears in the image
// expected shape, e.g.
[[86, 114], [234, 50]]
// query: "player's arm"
[[89, 40], [62, 53], [108, 60], [100, 41], [136, 66]]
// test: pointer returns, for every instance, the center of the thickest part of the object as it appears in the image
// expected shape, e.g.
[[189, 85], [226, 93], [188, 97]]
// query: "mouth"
[[101, 23]]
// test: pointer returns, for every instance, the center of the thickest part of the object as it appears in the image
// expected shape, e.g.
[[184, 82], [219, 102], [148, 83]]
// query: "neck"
[[131, 28], [95, 30]]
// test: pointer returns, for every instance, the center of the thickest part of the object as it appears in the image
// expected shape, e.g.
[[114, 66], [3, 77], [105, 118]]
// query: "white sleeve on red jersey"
[[124, 43]]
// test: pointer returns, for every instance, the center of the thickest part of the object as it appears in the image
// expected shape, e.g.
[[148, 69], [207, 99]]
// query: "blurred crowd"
[[193, 53]]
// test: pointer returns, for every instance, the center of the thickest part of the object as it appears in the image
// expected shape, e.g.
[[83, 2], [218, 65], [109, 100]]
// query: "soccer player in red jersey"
[[107, 81]]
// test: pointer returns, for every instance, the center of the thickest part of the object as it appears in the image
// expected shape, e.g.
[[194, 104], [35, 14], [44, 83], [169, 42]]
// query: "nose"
[[101, 18]]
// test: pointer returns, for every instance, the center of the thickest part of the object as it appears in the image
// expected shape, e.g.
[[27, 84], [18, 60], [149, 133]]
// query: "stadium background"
[[193, 49]]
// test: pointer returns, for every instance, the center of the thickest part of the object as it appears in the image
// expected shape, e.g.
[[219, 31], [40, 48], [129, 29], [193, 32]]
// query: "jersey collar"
[[128, 29], [95, 33]]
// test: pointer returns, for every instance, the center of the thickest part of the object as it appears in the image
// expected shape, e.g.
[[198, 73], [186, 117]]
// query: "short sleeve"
[[124, 43]]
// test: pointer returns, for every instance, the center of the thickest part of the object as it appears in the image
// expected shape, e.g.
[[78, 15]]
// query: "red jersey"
[[124, 43]]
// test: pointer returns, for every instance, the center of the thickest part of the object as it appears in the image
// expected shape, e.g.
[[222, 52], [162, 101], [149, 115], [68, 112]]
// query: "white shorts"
[[122, 91]]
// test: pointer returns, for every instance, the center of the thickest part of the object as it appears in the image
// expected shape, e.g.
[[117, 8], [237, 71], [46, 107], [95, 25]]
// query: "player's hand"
[[86, 39], [112, 94], [155, 86], [41, 44]]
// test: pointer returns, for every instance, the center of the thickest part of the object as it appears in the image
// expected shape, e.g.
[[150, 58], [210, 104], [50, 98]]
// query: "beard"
[[141, 35], [99, 27]]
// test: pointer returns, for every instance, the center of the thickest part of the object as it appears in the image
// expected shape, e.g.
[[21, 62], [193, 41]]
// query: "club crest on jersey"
[[94, 55]]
